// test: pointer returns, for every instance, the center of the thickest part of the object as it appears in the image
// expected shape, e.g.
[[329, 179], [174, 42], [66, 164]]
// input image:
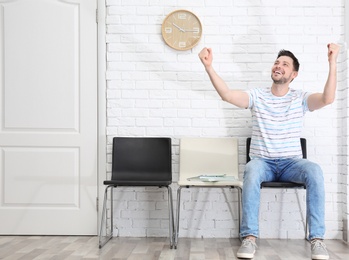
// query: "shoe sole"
[[320, 257], [245, 255]]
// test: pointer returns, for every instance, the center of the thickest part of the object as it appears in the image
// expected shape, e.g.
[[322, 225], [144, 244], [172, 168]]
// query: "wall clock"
[[181, 30]]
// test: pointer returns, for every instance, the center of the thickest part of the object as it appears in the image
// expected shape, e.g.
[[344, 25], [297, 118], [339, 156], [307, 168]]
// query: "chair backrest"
[[303, 146], [142, 160], [199, 156]]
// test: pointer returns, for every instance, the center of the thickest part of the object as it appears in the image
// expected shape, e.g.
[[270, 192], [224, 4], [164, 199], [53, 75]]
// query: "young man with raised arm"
[[276, 155]]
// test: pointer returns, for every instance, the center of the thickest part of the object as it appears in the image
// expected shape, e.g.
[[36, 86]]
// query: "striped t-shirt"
[[276, 123]]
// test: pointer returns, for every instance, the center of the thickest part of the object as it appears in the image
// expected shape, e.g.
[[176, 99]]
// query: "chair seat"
[[280, 184], [137, 183], [213, 184]]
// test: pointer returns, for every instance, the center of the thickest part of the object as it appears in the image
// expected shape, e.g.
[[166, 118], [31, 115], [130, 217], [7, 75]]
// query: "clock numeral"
[[196, 30], [168, 30], [182, 45], [182, 16]]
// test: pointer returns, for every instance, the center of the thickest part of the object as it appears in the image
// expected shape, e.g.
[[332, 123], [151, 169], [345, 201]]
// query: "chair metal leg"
[[179, 208], [306, 229], [306, 226], [171, 217], [239, 208], [104, 240], [306, 217], [178, 214]]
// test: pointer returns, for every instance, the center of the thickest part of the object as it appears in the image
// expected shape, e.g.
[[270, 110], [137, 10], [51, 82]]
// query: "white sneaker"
[[247, 249], [318, 249]]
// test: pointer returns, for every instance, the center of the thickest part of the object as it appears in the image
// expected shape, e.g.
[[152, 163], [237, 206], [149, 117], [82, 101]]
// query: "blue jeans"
[[259, 170]]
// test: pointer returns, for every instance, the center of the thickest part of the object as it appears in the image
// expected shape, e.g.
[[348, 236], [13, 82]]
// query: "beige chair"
[[208, 156]]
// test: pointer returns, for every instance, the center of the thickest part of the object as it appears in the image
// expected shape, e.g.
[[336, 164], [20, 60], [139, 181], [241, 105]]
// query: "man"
[[277, 114]]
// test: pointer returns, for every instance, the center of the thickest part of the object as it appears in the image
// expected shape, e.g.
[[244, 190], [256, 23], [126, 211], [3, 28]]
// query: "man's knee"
[[314, 173], [255, 171]]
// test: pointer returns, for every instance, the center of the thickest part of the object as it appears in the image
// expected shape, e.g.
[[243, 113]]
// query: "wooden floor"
[[61, 247]]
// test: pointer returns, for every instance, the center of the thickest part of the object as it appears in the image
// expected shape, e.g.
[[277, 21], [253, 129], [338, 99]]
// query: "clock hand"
[[197, 30], [179, 28]]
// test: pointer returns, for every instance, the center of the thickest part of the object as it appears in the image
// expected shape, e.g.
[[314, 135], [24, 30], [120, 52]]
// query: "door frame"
[[101, 103]]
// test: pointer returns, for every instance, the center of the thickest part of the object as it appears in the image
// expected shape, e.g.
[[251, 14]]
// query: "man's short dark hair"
[[291, 55]]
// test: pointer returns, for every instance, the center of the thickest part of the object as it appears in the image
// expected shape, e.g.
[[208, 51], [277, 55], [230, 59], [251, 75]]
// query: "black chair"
[[138, 161], [279, 184]]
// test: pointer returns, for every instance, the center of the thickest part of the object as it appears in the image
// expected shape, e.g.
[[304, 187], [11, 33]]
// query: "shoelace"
[[318, 244], [247, 241]]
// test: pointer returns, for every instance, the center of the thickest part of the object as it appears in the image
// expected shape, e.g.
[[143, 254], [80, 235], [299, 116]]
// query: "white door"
[[48, 123]]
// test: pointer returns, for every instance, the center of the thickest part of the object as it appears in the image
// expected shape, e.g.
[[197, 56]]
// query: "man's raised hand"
[[205, 56], [333, 50]]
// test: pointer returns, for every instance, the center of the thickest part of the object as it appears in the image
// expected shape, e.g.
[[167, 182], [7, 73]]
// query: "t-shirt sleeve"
[[251, 96], [305, 102]]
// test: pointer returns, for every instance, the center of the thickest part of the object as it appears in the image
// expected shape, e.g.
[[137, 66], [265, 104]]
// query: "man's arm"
[[236, 97], [319, 100]]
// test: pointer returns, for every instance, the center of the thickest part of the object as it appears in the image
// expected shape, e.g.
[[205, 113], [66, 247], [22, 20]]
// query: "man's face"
[[282, 71]]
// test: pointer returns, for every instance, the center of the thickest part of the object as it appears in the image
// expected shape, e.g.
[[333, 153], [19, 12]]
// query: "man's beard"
[[280, 81]]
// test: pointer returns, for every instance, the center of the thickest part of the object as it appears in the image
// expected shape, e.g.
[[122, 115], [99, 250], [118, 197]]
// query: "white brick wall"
[[153, 90], [344, 112]]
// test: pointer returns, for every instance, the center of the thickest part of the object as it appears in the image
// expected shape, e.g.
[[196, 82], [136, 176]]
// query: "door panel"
[[48, 131], [48, 41]]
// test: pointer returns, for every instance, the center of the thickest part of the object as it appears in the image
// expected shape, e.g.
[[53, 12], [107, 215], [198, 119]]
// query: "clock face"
[[181, 30]]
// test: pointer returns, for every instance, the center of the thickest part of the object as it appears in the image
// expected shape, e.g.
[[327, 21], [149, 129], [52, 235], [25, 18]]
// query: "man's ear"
[[294, 74]]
